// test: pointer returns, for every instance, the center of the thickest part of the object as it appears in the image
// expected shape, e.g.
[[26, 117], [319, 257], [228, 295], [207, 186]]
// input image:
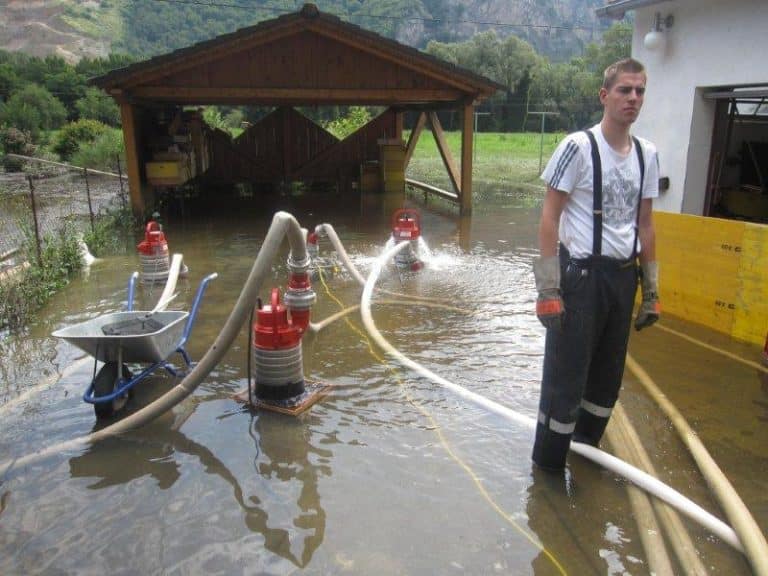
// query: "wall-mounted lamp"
[[654, 40]]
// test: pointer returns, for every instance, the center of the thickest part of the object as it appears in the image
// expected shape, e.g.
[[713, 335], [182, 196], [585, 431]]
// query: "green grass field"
[[501, 162]]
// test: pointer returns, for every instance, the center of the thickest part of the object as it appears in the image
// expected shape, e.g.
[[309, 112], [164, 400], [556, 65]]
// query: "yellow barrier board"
[[714, 272], [750, 320], [163, 170]]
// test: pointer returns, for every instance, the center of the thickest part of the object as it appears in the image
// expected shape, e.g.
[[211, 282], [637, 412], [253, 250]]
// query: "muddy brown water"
[[389, 474]]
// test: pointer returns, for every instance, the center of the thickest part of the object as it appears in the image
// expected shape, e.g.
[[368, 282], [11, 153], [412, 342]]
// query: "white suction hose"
[[635, 475], [328, 230], [170, 284], [282, 224]]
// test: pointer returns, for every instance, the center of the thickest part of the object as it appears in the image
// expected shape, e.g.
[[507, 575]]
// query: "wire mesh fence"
[[45, 198]]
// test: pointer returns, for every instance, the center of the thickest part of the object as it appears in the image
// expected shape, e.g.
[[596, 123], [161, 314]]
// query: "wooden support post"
[[287, 142], [128, 116], [398, 123], [120, 179], [445, 152], [413, 139], [467, 133]]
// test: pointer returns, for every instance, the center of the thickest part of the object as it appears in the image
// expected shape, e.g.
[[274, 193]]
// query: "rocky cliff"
[[73, 29], [39, 28]]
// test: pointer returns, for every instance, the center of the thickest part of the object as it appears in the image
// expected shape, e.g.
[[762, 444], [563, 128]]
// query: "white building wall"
[[711, 43]]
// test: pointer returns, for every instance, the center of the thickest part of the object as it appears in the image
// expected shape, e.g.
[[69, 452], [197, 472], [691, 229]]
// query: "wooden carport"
[[302, 59]]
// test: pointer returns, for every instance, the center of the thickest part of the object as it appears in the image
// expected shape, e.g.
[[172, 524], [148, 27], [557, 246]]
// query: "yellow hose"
[[317, 326], [651, 536], [750, 363], [752, 539], [625, 440]]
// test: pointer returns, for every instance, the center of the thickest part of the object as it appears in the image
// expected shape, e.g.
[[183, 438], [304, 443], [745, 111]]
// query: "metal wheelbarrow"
[[119, 338]]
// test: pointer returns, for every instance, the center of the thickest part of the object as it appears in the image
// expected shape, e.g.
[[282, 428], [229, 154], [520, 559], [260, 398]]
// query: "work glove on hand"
[[649, 308], [549, 304]]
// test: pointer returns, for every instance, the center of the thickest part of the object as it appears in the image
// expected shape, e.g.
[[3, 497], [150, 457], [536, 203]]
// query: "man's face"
[[623, 101]]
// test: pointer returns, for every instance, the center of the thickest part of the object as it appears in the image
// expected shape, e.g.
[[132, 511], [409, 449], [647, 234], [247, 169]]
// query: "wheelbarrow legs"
[[106, 382]]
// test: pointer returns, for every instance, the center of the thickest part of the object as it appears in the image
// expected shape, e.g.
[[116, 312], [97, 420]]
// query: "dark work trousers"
[[584, 361]]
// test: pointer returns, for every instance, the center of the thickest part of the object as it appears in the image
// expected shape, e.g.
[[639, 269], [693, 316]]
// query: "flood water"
[[389, 473]]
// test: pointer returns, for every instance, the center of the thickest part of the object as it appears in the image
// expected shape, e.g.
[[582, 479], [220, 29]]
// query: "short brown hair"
[[627, 65]]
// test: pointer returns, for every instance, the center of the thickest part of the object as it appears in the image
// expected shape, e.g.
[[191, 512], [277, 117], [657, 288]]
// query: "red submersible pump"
[[277, 333], [153, 254], [406, 225]]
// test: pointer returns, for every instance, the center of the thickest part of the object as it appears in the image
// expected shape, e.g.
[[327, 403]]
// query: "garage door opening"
[[738, 169]]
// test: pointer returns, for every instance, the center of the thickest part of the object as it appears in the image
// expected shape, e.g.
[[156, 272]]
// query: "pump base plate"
[[313, 392]]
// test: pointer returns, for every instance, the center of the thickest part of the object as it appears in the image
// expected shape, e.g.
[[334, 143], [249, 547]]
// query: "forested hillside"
[[48, 107], [558, 29]]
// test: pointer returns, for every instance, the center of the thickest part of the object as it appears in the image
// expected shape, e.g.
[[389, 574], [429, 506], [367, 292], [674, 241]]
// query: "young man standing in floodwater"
[[600, 188]]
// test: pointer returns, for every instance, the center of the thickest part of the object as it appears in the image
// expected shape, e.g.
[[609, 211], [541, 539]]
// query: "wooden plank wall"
[[342, 161], [270, 150], [308, 61], [287, 146]]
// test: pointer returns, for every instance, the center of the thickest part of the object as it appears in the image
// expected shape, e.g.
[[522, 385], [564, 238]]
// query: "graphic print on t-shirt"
[[619, 197]]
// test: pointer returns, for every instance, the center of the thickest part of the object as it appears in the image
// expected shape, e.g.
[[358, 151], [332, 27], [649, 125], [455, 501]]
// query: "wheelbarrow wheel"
[[105, 383]]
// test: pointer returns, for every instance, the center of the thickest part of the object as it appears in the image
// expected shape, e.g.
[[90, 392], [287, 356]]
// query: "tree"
[[9, 80], [33, 109], [509, 62], [103, 152], [615, 44], [38, 69], [97, 105], [570, 90], [449, 52], [213, 117], [71, 136], [15, 141], [68, 86], [356, 117], [91, 67]]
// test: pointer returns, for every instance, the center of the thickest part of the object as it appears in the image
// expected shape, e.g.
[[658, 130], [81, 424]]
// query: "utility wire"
[[358, 16], [228, 5]]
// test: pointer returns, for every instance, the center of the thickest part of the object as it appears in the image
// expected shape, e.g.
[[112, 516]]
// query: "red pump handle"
[[411, 213], [274, 302]]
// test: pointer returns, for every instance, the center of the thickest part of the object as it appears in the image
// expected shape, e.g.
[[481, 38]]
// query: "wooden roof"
[[306, 57]]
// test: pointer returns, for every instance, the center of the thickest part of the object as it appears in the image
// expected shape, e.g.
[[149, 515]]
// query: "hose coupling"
[[298, 266], [299, 294]]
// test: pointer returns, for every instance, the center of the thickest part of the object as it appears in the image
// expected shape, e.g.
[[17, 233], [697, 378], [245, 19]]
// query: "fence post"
[[120, 177], [34, 216], [88, 193], [541, 137], [541, 141]]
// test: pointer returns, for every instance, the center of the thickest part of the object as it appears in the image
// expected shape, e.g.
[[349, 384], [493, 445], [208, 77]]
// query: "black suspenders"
[[597, 195]]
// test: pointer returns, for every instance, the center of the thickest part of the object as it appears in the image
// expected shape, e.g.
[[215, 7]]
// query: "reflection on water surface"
[[389, 474]]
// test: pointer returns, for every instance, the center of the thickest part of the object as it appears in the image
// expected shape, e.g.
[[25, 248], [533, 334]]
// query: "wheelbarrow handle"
[[131, 289], [196, 306]]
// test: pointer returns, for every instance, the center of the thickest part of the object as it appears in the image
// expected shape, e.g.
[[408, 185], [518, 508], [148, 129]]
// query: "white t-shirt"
[[570, 171]]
